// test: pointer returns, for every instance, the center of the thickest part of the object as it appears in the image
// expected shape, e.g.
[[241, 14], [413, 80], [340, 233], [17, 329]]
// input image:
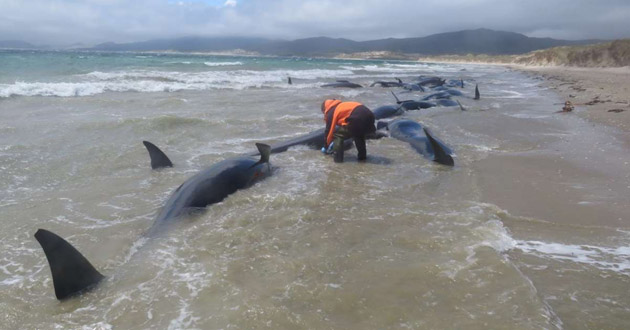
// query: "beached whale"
[[387, 111], [455, 83], [214, 184], [72, 273], [342, 84], [454, 92], [446, 103], [315, 139], [437, 95], [412, 87], [416, 105], [420, 140], [413, 104], [430, 81], [387, 83]]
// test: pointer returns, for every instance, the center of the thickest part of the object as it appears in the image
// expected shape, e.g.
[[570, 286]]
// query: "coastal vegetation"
[[609, 54]]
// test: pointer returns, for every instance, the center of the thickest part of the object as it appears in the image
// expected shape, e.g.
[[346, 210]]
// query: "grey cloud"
[[65, 22]]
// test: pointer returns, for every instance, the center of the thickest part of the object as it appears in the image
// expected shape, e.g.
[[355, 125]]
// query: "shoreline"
[[600, 95]]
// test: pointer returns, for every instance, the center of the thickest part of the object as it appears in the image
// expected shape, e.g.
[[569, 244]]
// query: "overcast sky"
[[63, 22]]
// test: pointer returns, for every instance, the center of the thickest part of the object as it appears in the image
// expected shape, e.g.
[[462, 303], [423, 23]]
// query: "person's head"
[[327, 103]]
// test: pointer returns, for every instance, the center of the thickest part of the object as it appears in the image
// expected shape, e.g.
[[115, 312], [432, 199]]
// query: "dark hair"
[[324, 104]]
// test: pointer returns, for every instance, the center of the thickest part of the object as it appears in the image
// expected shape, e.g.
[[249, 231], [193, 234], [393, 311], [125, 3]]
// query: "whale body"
[[73, 274]]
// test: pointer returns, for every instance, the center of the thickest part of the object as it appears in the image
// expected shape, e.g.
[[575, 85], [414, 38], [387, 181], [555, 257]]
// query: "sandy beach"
[[598, 94]]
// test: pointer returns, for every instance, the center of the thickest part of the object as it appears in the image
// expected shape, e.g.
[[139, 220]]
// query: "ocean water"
[[528, 231]]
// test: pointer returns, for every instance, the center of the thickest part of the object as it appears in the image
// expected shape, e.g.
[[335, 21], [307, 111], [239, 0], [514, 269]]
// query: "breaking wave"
[[164, 81], [222, 63], [616, 259]]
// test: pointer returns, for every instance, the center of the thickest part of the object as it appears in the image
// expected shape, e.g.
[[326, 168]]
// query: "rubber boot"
[[340, 136], [338, 156], [359, 143]]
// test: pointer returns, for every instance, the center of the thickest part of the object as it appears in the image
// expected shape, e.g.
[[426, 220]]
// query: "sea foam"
[[163, 81]]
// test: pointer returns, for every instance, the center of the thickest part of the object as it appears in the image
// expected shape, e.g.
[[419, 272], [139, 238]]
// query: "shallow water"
[[528, 231]]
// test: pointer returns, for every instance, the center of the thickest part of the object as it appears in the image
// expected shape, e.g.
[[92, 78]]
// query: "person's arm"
[[329, 125]]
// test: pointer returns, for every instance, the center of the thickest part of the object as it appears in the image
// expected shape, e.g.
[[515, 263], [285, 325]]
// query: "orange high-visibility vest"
[[329, 104], [342, 112]]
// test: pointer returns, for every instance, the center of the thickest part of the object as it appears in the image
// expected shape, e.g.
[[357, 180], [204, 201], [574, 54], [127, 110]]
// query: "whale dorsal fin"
[[71, 271], [265, 151], [396, 97], [477, 95], [441, 155], [158, 158]]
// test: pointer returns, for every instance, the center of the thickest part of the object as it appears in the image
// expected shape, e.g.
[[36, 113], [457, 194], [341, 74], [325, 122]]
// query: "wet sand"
[[572, 186], [577, 175], [601, 95]]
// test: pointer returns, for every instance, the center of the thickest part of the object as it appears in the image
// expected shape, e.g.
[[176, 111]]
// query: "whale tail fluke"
[[72, 273], [158, 158], [442, 153], [477, 95]]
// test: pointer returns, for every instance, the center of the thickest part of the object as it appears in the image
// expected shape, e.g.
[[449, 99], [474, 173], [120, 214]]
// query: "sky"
[[66, 22]]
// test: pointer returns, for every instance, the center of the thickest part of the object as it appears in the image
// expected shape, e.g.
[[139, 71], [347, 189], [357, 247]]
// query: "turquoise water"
[[67, 74], [41, 66]]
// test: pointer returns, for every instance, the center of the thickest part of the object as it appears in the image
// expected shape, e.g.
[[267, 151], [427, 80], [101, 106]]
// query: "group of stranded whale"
[[73, 274], [441, 93]]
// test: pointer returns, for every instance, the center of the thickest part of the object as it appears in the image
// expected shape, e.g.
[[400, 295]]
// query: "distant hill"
[[608, 54], [321, 46], [480, 41], [187, 44], [16, 44]]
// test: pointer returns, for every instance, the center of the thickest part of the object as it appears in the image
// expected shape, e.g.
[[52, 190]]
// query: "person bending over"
[[346, 120]]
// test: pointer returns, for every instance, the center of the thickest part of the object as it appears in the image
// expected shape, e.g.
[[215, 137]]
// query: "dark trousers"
[[360, 123]]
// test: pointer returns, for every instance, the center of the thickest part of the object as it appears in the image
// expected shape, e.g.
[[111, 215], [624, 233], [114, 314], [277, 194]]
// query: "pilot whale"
[[420, 139], [73, 274], [342, 83], [387, 111], [214, 184], [383, 83]]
